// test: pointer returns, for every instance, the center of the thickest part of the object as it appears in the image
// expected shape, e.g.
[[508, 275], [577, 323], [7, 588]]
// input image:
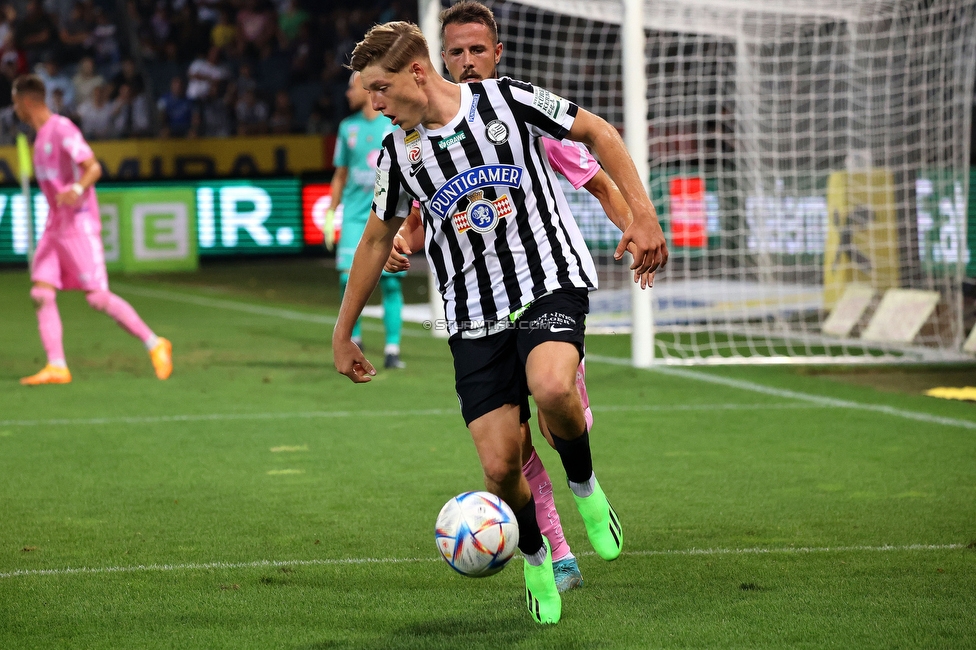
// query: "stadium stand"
[[115, 73]]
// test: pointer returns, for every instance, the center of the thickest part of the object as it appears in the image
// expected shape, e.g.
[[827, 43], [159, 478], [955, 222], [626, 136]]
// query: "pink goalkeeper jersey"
[[58, 150], [572, 160]]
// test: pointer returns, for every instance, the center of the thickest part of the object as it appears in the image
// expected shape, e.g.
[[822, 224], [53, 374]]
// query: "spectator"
[[129, 75], [8, 23], [76, 35], [255, 24], [86, 80], [130, 113], [212, 115], [59, 106], [105, 42], [290, 20], [50, 72], [9, 126], [245, 79], [204, 73], [224, 33], [252, 114], [36, 33], [163, 70], [175, 110], [304, 53], [8, 72], [283, 116], [96, 115]]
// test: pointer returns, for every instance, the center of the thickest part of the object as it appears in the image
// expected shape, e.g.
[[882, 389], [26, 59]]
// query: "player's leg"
[[46, 277], [487, 380], [552, 346], [565, 567], [357, 330], [584, 399], [83, 267], [391, 287], [56, 371]]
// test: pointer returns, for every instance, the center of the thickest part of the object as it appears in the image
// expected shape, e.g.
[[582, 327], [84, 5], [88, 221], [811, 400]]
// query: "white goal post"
[[805, 157]]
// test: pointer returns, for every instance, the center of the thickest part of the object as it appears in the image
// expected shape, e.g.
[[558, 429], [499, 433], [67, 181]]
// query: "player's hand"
[[645, 280], [68, 197], [349, 361], [398, 256], [645, 241], [328, 229]]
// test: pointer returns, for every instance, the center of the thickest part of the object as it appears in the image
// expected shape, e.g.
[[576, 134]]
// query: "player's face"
[[396, 95], [356, 95], [470, 53]]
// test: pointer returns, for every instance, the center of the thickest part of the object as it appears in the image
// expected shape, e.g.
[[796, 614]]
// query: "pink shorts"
[[71, 258]]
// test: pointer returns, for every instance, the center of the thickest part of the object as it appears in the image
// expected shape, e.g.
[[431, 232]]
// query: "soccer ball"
[[476, 534]]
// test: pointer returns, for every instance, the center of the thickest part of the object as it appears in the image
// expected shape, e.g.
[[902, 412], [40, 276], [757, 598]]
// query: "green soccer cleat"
[[541, 595], [602, 526]]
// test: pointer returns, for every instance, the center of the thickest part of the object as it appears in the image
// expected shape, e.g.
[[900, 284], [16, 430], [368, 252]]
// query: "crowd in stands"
[[187, 68]]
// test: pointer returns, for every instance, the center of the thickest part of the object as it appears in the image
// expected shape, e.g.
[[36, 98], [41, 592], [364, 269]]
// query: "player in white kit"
[[69, 254]]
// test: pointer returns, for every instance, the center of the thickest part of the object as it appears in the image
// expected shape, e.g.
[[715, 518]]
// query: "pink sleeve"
[[416, 204], [572, 160], [73, 142]]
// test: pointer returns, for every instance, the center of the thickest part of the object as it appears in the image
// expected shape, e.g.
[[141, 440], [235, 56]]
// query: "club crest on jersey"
[[482, 215], [466, 182], [415, 150], [497, 132]]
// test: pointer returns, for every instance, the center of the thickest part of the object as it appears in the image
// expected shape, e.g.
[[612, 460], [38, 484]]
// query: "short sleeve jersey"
[[59, 149], [498, 230], [572, 160], [357, 148]]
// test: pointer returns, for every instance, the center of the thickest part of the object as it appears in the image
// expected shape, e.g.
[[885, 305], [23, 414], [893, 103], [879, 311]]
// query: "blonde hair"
[[392, 46]]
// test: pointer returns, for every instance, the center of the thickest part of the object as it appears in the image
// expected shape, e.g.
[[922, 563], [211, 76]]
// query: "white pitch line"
[[247, 308], [216, 417], [887, 548], [820, 400], [687, 374]]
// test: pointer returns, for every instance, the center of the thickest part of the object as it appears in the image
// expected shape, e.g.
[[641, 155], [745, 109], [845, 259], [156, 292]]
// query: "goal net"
[[809, 162]]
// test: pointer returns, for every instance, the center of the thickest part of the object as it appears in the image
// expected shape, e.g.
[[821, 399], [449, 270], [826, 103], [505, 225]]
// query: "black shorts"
[[489, 372]]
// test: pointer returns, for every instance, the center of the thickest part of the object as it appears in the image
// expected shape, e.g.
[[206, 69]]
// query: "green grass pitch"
[[258, 499]]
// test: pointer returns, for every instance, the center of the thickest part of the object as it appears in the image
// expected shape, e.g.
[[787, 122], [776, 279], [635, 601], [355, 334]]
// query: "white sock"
[[391, 348], [537, 558], [58, 363], [151, 342], [583, 490]]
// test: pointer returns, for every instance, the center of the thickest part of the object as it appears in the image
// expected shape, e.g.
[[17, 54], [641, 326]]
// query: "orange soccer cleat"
[[49, 375], [162, 358]]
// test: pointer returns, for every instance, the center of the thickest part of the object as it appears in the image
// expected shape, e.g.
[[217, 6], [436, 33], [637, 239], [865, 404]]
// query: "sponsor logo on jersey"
[[497, 132], [482, 215], [451, 140], [474, 107], [466, 182], [351, 138], [382, 185], [549, 104]]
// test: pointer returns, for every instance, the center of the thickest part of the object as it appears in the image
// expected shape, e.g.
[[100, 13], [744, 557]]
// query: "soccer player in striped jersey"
[[69, 255], [471, 52], [509, 260]]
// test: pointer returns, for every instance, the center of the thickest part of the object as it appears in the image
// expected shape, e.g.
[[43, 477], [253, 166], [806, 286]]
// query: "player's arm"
[[339, 179], [602, 187], [371, 255], [650, 249], [408, 239], [91, 171]]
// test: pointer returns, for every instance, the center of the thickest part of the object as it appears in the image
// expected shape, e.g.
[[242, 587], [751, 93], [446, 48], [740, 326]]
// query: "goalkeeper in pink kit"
[[69, 255]]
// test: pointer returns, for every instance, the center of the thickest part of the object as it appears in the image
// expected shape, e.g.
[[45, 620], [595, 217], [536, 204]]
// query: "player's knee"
[[42, 296], [552, 391], [390, 287], [98, 299], [501, 471]]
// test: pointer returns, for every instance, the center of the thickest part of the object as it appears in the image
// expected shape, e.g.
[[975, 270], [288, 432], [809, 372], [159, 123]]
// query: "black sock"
[[530, 537], [576, 457]]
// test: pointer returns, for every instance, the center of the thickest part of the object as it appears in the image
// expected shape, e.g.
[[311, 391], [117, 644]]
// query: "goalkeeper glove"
[[328, 228]]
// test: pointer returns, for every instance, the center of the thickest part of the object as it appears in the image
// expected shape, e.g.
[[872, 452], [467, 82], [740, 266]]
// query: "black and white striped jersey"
[[499, 232]]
